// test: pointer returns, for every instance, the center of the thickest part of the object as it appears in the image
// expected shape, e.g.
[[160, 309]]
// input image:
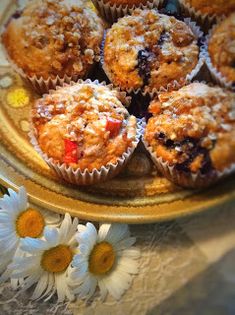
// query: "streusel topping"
[[148, 49], [222, 48], [84, 125], [54, 37], [194, 127]]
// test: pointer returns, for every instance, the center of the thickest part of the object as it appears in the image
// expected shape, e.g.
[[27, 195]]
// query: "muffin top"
[[194, 128], [128, 3], [217, 7], [221, 48], [54, 37], [83, 125], [149, 50]]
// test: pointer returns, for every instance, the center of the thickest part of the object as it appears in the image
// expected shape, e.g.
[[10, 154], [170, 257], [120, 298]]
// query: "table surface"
[[186, 268]]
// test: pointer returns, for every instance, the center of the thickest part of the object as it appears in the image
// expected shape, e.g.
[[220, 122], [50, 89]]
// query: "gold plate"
[[129, 198]]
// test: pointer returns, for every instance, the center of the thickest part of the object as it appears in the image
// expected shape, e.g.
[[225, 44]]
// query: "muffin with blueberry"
[[191, 136], [148, 51], [84, 131], [51, 41], [221, 52]]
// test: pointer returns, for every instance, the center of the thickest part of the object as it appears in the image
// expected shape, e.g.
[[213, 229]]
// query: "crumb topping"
[[149, 49], [191, 127], [128, 3], [222, 48], [50, 38], [84, 125], [218, 7]]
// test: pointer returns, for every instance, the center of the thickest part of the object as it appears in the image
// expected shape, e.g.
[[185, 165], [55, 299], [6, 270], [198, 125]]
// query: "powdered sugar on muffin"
[[84, 126], [54, 38], [193, 129], [149, 50]]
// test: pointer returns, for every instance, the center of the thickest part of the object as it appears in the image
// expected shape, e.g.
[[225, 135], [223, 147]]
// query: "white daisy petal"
[[22, 199], [84, 289], [13, 199], [88, 236], [77, 259], [116, 233], [125, 263], [84, 249], [31, 280], [118, 284], [51, 218], [51, 235], [40, 287], [81, 228], [50, 285], [60, 284], [131, 253], [103, 231], [80, 271], [93, 285], [68, 229], [103, 289], [64, 228], [125, 243], [32, 245]]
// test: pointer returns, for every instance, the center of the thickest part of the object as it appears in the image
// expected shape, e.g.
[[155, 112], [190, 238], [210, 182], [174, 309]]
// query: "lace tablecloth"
[[186, 268]]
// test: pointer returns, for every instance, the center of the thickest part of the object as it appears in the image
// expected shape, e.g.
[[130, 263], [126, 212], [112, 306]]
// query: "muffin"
[[50, 39], [221, 50], [148, 50], [114, 9], [84, 130], [191, 135], [208, 7], [129, 3]]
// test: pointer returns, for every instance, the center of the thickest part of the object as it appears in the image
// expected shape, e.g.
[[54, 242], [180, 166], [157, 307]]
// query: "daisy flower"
[[18, 220], [48, 261], [106, 259]]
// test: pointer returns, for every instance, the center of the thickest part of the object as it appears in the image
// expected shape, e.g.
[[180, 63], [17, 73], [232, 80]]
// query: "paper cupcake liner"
[[41, 85], [187, 180], [176, 84], [86, 177], [215, 74], [204, 20], [113, 12]]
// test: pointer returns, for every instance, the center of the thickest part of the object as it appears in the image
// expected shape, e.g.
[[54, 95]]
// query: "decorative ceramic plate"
[[138, 195]]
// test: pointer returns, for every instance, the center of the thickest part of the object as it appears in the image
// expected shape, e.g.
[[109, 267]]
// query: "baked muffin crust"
[[221, 48], [193, 129], [129, 3], [83, 125], [50, 38], [149, 50], [217, 7]]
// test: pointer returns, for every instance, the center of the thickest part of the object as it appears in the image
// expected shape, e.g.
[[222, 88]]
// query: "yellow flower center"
[[30, 223], [102, 258], [57, 259]]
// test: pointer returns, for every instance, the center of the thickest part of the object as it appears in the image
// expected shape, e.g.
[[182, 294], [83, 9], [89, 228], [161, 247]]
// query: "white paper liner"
[[113, 12], [86, 177], [205, 20], [187, 180], [216, 75], [176, 84]]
